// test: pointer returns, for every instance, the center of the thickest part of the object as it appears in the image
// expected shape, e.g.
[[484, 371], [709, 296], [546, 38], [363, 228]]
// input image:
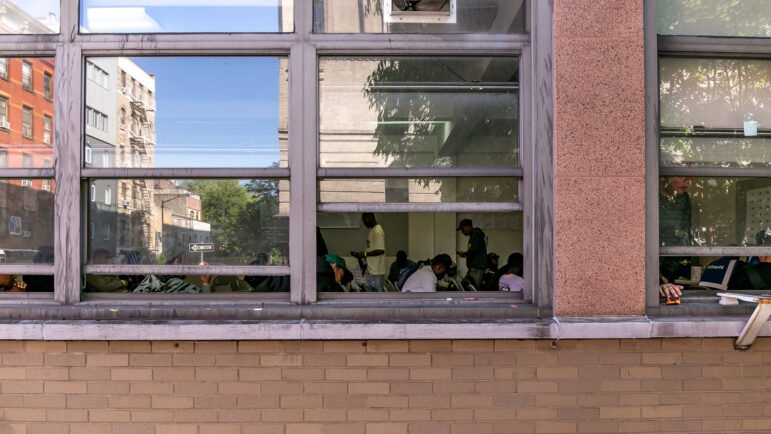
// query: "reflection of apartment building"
[[99, 151], [178, 215], [26, 114], [14, 20], [26, 141], [119, 125]]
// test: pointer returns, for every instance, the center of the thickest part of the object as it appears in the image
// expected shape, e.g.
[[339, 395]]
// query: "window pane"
[[418, 190], [157, 220], [162, 16], [715, 112], [22, 113], [201, 112], [26, 221], [418, 112], [714, 17], [427, 16], [713, 211], [25, 16], [421, 236]]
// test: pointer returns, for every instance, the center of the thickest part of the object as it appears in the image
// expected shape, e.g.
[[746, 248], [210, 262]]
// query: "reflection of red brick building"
[[27, 114]]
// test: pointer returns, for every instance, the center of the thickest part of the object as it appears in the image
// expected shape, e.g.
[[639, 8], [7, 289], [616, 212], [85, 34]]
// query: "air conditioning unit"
[[26, 183], [46, 187], [420, 11], [47, 140], [124, 203], [127, 164], [124, 90], [123, 128], [5, 124]]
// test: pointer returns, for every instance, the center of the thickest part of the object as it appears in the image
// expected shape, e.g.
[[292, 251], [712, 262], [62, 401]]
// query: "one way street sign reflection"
[[201, 247]]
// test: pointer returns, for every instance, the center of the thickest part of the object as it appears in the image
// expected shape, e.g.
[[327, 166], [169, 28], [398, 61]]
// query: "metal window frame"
[[70, 49], [684, 46]]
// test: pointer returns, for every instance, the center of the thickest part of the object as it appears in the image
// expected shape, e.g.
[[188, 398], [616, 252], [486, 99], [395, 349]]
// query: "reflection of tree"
[[241, 215], [446, 113], [714, 211], [701, 95], [740, 17]]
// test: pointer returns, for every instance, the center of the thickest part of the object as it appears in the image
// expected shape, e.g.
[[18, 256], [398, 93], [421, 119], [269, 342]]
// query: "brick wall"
[[385, 387]]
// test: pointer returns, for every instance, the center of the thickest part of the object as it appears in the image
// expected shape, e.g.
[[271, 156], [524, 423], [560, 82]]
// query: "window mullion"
[[651, 155], [67, 103]]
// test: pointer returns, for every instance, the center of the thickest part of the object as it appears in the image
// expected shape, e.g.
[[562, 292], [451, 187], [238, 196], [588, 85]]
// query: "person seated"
[[400, 264], [424, 278], [331, 274], [491, 276], [104, 283], [513, 266], [11, 283], [175, 284], [754, 275], [40, 282], [510, 282]]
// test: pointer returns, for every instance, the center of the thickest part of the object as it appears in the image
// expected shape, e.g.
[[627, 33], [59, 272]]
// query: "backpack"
[[406, 273], [718, 273]]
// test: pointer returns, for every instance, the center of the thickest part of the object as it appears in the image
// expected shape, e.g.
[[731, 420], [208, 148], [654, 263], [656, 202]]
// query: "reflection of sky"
[[215, 111], [158, 16]]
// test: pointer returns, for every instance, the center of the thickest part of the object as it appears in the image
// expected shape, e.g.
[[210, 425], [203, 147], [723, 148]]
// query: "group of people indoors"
[[429, 275]]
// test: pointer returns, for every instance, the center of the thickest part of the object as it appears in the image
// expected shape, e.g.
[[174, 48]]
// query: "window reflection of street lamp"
[[163, 203]]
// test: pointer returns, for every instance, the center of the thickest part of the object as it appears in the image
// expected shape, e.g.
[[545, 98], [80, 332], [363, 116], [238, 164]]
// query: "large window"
[[257, 150], [457, 116], [714, 184]]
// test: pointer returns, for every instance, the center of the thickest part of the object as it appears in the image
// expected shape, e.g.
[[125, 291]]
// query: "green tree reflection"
[[447, 112]]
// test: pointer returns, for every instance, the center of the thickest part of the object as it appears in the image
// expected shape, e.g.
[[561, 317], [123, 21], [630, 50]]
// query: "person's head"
[[514, 263], [764, 239], [177, 259], [465, 226], [401, 259], [262, 259], [102, 256], [440, 264], [492, 261], [676, 185], [368, 219], [342, 275]]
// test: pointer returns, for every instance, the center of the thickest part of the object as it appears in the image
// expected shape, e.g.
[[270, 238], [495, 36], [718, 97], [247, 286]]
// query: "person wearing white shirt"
[[375, 253], [425, 278]]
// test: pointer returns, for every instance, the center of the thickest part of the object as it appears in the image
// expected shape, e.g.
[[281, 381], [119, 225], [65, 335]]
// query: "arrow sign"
[[201, 247]]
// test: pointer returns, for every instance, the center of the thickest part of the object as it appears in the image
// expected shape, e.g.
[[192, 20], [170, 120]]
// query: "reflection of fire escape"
[[141, 141]]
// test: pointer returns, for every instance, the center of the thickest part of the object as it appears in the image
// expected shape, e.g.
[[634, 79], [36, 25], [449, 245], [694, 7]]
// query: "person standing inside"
[[476, 254], [375, 253]]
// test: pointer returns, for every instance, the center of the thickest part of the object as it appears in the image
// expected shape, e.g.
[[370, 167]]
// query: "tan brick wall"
[[387, 387]]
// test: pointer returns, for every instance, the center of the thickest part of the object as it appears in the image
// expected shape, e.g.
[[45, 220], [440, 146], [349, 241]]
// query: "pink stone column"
[[599, 148]]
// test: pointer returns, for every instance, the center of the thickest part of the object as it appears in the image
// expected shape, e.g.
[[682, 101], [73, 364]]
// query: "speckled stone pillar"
[[599, 140]]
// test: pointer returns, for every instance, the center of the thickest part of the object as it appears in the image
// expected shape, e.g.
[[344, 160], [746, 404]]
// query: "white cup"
[[696, 272]]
